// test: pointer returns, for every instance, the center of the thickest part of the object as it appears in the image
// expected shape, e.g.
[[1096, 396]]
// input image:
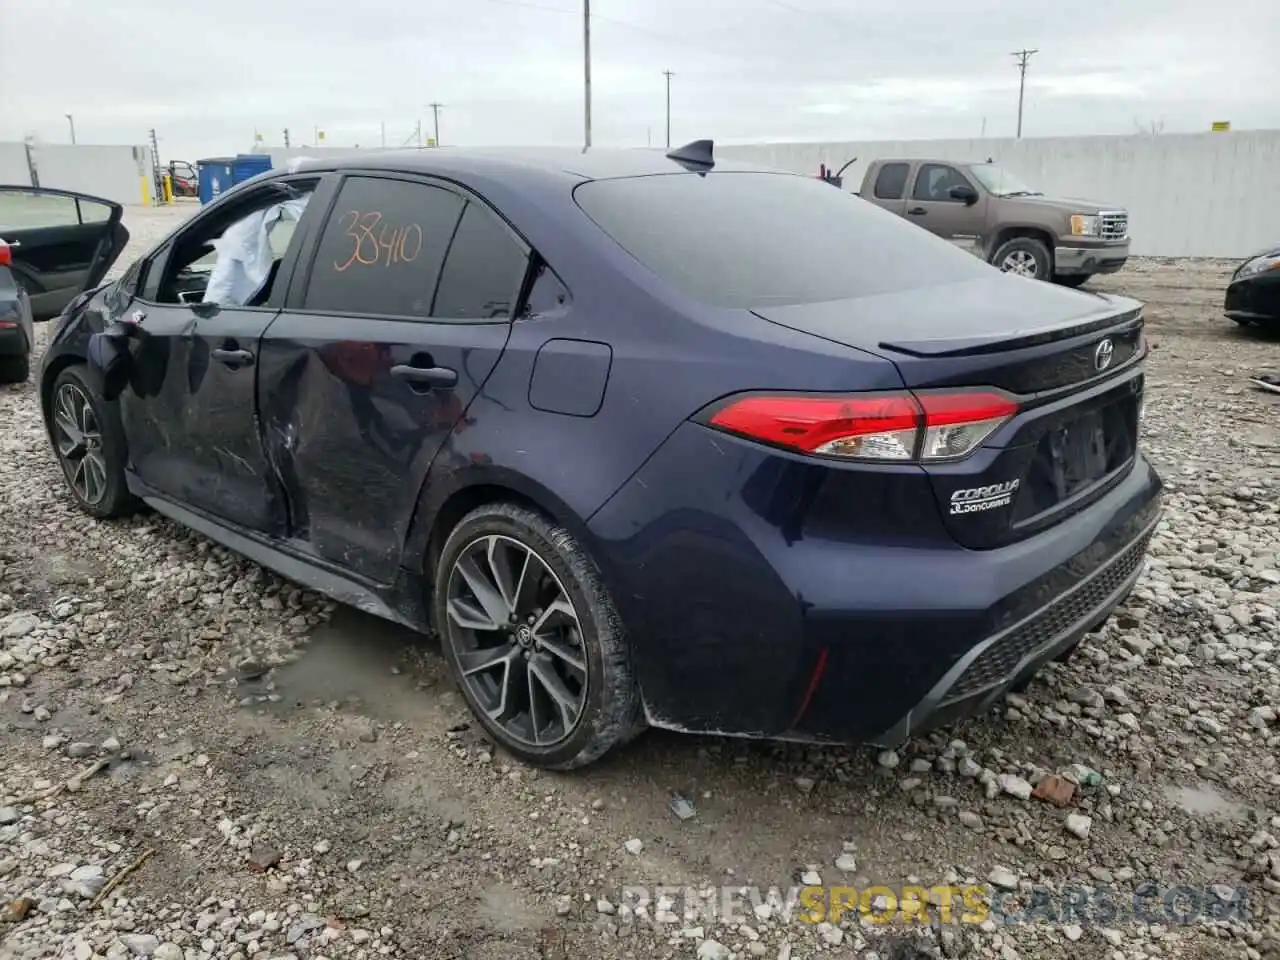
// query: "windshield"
[[748, 240], [1001, 182]]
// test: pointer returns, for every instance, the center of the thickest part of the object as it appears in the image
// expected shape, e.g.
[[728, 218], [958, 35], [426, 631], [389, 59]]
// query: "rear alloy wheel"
[[89, 442], [1023, 257], [15, 369], [533, 639]]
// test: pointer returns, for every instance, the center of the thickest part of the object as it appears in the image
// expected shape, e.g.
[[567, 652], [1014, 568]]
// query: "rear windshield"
[[750, 240]]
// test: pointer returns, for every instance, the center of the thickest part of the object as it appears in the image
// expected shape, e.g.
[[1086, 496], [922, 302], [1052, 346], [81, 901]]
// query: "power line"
[[1023, 57], [627, 24]]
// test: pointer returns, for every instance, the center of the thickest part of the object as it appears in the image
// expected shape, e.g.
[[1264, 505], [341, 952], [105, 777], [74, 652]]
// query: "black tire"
[[15, 369], [110, 497], [1072, 279], [1032, 254], [610, 711]]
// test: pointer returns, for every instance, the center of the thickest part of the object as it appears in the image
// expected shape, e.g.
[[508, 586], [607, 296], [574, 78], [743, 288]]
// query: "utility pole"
[[157, 172], [668, 75], [1023, 56], [435, 120], [286, 138], [586, 71], [71, 120]]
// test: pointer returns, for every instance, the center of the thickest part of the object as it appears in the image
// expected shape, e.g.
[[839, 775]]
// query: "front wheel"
[[89, 442], [533, 638], [1024, 257]]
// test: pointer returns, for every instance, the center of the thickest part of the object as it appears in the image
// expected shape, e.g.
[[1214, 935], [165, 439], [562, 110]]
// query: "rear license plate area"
[[1077, 455]]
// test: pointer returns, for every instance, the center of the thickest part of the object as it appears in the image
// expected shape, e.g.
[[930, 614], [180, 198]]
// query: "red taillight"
[[899, 426], [6, 255]]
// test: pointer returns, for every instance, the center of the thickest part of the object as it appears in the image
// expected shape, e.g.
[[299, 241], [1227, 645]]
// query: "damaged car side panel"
[[381, 347]]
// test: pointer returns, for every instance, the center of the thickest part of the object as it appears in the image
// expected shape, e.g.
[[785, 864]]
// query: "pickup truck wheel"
[[1071, 280], [1024, 257]]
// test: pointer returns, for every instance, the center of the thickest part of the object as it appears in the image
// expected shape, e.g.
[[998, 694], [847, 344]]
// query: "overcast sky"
[[207, 74]]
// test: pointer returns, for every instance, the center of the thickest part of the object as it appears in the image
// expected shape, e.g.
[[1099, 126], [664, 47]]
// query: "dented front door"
[[191, 418]]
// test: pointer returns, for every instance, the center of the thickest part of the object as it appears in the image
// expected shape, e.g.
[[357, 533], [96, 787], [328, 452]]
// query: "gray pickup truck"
[[986, 209]]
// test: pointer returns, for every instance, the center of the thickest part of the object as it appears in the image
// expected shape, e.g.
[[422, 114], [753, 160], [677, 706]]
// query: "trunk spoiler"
[[975, 346]]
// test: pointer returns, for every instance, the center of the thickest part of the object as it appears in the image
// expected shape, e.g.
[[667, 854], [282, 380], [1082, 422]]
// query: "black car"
[[54, 245], [645, 437], [1253, 295]]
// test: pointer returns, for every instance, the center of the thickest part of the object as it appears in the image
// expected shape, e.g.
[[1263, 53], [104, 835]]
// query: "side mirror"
[[964, 193]]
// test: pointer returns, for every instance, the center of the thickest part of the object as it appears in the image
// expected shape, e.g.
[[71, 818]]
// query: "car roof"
[[570, 165]]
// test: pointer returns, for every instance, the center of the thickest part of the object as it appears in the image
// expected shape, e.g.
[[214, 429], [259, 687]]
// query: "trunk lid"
[[1072, 359]]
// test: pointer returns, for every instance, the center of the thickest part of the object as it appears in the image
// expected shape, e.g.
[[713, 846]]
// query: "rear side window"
[[383, 248], [484, 270], [31, 209], [891, 181], [751, 240]]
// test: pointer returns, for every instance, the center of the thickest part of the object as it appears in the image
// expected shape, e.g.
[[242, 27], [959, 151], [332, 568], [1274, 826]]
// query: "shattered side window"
[[247, 250]]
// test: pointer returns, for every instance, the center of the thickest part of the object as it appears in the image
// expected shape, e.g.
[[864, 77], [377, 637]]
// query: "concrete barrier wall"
[[280, 156], [1188, 195], [119, 173], [13, 164]]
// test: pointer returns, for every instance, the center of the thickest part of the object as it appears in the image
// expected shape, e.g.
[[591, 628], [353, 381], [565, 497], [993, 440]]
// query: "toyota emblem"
[[1102, 355]]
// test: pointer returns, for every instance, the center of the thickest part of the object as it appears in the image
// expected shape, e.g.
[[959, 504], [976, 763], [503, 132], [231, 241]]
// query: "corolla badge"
[[1102, 355], [981, 499]]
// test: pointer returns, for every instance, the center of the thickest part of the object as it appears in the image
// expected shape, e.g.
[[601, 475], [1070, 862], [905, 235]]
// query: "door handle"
[[430, 376], [917, 212], [233, 358]]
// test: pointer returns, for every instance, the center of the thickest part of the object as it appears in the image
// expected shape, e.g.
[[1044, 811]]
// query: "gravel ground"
[[260, 772]]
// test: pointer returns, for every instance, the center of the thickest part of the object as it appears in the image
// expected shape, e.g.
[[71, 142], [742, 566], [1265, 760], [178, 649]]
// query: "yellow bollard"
[[168, 188], [146, 186]]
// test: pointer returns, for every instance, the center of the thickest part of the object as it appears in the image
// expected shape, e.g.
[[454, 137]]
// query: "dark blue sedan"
[[647, 439]]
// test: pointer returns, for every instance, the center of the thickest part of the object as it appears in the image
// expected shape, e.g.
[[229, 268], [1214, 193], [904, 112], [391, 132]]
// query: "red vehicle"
[[185, 180]]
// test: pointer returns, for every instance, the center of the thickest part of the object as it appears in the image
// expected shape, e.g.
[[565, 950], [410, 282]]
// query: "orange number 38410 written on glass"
[[375, 241]]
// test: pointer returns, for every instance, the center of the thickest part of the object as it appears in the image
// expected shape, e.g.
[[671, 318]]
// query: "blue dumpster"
[[247, 165], [215, 175]]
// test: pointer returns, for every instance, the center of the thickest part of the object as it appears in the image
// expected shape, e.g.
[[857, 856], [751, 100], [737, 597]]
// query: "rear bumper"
[[14, 341], [768, 597], [991, 667], [1076, 261]]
